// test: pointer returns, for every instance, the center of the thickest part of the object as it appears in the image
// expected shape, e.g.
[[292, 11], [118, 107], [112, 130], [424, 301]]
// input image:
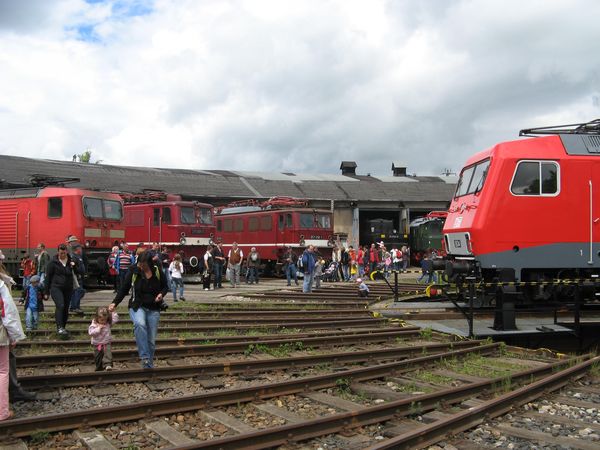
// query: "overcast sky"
[[293, 86]]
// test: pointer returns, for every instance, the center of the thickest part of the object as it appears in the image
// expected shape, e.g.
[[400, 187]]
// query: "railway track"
[[361, 383], [233, 324], [377, 393], [48, 359], [191, 339]]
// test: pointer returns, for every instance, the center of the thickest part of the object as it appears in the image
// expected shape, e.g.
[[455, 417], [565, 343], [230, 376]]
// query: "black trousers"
[[102, 357], [61, 298], [206, 281]]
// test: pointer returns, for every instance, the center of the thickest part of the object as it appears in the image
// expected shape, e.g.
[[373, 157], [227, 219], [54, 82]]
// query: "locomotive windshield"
[[189, 217], [472, 179], [99, 208], [310, 220]]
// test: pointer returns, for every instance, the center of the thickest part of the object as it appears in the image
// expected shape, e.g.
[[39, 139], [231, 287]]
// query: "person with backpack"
[[145, 304]]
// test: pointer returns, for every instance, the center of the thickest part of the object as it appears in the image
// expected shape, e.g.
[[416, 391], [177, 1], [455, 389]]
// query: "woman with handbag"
[[11, 331], [61, 280]]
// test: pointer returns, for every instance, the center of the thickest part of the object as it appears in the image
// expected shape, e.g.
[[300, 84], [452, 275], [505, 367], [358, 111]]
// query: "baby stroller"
[[330, 273]]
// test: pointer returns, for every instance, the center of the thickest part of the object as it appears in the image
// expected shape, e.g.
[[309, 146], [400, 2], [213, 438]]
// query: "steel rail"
[[147, 409], [232, 324], [438, 430], [188, 313], [36, 382], [44, 359], [369, 415], [204, 339], [227, 320]]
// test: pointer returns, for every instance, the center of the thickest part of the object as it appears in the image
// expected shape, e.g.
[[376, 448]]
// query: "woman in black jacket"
[[149, 287], [60, 272]]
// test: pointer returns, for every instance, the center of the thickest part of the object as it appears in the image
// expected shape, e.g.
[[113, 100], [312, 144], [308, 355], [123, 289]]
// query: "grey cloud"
[[26, 15], [302, 93]]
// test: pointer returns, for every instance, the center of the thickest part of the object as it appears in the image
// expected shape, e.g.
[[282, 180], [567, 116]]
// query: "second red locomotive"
[[184, 227]]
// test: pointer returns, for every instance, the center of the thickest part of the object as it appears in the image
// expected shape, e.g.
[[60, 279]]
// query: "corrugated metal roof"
[[229, 184]]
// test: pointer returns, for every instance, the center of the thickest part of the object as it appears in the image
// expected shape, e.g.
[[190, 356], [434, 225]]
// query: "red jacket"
[[28, 267]]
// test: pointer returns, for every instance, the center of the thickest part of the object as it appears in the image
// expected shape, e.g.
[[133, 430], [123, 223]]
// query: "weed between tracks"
[[426, 333], [281, 351], [39, 437], [432, 378], [480, 366]]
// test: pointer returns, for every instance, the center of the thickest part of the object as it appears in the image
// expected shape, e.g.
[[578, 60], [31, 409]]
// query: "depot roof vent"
[[398, 169], [348, 168]]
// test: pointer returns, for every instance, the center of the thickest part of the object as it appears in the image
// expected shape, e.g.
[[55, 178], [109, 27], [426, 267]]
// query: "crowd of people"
[[347, 264]]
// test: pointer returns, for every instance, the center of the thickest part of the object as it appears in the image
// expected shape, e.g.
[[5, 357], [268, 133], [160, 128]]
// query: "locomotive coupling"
[[458, 267]]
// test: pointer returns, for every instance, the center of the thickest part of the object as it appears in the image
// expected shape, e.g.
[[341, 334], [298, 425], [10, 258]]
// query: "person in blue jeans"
[[145, 304], [34, 303], [308, 268], [290, 259]]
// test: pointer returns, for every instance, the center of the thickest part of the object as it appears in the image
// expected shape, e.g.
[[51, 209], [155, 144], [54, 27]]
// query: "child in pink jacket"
[[99, 330]]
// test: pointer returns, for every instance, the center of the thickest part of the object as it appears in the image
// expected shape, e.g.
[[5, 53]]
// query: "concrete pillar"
[[354, 240]]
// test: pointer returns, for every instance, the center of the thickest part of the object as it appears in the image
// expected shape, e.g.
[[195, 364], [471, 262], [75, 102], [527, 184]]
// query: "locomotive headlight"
[[94, 243], [469, 243], [87, 243]]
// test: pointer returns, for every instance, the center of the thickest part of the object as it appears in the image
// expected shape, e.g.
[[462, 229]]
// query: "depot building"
[[365, 208]]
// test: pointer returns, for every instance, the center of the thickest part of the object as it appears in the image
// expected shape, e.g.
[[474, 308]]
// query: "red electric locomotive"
[[273, 225], [29, 216], [529, 210], [185, 227]]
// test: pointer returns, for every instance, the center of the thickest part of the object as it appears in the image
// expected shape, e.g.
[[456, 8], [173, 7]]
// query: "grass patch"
[[433, 378], [280, 351], [480, 366], [39, 436], [426, 333]]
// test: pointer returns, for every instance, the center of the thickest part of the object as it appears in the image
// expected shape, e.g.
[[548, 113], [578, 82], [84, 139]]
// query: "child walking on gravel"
[[99, 330], [34, 303]]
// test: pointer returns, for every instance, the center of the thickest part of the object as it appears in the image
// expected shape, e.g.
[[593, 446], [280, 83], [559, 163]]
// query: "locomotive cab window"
[[98, 208], [55, 208], [307, 220], [324, 221], [536, 178], [187, 215], [472, 178], [205, 216]]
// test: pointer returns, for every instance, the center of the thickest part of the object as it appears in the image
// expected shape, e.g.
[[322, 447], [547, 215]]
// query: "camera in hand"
[[163, 306]]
